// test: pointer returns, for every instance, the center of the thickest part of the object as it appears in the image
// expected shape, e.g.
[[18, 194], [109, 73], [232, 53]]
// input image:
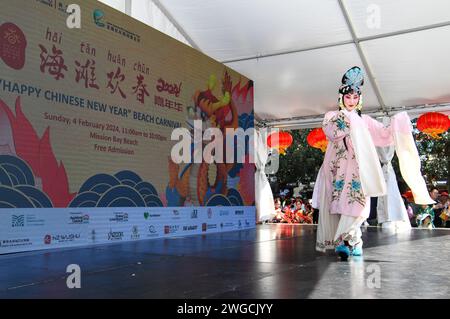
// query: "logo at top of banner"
[[12, 45], [98, 17], [100, 21], [50, 3]]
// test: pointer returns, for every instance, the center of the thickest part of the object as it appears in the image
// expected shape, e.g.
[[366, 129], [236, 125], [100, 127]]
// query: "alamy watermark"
[[374, 16], [373, 280], [74, 279], [215, 145], [73, 21]]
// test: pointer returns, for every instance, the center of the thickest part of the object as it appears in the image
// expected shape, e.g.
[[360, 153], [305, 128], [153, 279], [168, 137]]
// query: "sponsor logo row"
[[78, 218], [136, 233]]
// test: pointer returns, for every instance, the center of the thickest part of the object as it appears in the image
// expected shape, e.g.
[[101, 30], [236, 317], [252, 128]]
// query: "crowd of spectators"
[[296, 210], [429, 216], [292, 211]]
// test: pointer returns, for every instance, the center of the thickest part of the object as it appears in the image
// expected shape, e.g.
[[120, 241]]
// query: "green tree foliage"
[[301, 162], [434, 155]]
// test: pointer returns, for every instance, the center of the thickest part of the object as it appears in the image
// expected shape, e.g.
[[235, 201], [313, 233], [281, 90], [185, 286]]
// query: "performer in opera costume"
[[351, 172]]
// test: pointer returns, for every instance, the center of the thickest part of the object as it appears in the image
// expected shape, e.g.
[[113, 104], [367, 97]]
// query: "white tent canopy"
[[296, 51]]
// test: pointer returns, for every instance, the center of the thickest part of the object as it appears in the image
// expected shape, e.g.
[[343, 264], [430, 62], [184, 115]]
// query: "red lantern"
[[433, 124], [280, 140], [316, 138]]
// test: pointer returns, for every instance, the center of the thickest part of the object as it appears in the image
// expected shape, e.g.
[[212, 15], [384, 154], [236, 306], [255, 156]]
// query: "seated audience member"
[[301, 214], [437, 207], [278, 212], [445, 213], [409, 209], [298, 211], [309, 212], [288, 216], [425, 217]]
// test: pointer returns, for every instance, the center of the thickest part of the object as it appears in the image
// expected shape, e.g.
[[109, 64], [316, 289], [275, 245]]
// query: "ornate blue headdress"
[[352, 80]]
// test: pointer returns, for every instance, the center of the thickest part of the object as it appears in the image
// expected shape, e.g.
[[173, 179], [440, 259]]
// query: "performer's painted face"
[[351, 100]]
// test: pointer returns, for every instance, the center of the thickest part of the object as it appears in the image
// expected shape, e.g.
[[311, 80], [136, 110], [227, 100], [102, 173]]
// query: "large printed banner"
[[86, 117]]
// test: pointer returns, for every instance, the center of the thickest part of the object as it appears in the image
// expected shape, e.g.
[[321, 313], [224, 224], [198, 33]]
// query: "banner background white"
[[36, 229]]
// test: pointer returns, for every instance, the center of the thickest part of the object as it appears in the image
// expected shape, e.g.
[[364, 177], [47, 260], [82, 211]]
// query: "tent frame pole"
[[316, 120], [335, 44], [362, 56], [172, 20]]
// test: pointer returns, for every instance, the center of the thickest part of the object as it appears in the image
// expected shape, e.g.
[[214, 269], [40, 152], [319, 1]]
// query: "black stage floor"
[[271, 261]]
